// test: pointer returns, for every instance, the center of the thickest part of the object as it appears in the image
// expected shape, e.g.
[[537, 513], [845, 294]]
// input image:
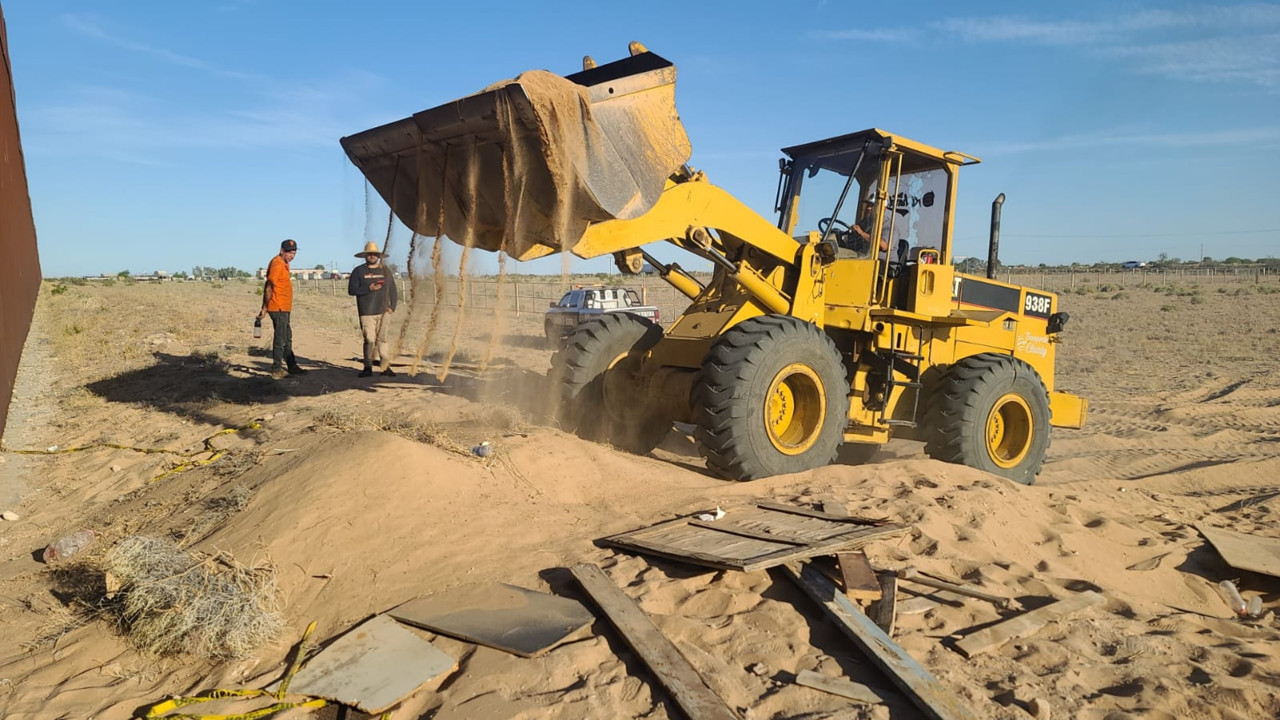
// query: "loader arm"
[[682, 208]]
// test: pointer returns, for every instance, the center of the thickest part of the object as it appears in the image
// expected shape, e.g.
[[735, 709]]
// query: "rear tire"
[[772, 399], [991, 412], [595, 376]]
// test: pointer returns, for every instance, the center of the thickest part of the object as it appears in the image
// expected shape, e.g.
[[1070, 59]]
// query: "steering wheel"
[[826, 222]]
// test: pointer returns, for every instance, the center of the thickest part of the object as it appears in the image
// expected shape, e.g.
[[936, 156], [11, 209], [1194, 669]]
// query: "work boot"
[[366, 372], [278, 373], [296, 370], [389, 372]]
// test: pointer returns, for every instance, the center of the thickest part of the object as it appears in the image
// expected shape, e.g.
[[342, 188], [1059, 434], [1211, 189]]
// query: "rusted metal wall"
[[19, 260]]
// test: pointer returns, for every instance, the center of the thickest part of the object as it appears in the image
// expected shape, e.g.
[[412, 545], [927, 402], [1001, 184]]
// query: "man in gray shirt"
[[376, 299]]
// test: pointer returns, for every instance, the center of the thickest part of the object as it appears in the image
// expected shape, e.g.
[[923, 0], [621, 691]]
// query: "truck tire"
[[990, 412], [594, 375], [772, 398]]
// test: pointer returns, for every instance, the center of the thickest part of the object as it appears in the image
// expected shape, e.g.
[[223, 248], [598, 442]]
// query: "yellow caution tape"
[[215, 453], [161, 710], [208, 447]]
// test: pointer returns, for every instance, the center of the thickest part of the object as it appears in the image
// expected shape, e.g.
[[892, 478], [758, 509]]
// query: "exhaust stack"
[[993, 246]]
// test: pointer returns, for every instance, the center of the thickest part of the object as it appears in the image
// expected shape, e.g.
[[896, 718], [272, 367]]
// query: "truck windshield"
[[819, 180]]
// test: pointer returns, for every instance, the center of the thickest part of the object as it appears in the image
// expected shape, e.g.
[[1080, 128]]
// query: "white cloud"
[[1130, 137], [881, 35], [1218, 44], [1015, 29], [1250, 59], [108, 123], [90, 26]]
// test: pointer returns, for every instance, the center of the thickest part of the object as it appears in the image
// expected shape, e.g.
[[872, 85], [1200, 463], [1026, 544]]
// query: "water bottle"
[[1232, 596], [257, 328], [65, 547]]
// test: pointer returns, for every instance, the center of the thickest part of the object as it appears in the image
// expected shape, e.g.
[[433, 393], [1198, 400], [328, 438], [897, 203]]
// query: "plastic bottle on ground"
[[1232, 597], [65, 547]]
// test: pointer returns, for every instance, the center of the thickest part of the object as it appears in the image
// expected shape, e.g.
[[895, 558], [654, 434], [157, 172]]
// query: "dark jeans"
[[282, 342]]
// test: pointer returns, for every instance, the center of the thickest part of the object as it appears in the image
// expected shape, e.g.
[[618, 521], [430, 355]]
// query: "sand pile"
[[357, 520]]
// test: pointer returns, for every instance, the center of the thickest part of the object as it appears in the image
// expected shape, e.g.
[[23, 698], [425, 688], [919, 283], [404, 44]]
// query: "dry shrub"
[[172, 601], [419, 432], [504, 417]]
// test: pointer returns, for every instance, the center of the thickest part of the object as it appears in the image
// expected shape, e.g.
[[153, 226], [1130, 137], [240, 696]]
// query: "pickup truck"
[[581, 304]]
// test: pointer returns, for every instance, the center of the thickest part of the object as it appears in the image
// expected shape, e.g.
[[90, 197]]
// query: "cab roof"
[[880, 138]]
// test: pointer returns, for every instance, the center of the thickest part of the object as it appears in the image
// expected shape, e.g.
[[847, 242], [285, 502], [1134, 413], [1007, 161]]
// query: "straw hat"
[[370, 248]]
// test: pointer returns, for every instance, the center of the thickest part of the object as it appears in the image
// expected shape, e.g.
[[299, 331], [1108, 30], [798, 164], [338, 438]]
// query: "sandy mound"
[[364, 495]]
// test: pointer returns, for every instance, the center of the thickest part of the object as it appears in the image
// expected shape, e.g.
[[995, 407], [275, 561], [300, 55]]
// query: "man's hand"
[[376, 286], [262, 313]]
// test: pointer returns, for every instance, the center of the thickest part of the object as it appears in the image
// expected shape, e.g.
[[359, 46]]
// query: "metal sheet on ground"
[[751, 538], [1245, 552], [373, 667], [517, 620]]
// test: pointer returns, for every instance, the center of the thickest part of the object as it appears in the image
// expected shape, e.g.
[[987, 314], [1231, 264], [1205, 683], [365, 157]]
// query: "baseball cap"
[[289, 246]]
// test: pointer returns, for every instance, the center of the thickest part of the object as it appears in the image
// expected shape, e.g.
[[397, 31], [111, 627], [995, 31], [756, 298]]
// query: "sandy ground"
[[362, 494]]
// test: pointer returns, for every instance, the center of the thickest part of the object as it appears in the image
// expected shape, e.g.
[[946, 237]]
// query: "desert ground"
[[360, 494]]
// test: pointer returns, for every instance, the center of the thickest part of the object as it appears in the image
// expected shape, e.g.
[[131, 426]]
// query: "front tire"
[[772, 399], [991, 412], [595, 376]]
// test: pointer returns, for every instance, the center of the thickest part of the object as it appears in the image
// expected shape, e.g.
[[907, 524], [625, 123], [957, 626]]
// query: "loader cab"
[[870, 183]]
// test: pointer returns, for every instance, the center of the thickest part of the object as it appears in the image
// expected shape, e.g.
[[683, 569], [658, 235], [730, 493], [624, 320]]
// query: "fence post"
[[516, 296]]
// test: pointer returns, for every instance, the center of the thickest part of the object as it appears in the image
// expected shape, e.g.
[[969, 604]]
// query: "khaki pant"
[[374, 329]]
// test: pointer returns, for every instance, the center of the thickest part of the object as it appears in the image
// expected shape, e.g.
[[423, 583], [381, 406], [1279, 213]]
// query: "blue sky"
[[162, 135]]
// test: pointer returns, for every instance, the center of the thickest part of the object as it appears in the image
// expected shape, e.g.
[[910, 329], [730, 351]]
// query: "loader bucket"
[[525, 165]]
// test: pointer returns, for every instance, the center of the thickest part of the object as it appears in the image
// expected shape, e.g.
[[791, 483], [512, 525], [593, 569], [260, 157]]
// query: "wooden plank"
[[750, 542], [844, 687], [1026, 624], [913, 575], [860, 582], [848, 541], [1245, 552], [931, 696], [658, 653], [915, 606], [884, 612], [732, 529], [675, 553], [807, 512]]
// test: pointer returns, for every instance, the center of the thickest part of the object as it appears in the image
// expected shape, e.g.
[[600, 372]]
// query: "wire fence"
[[532, 297], [518, 297], [1066, 279]]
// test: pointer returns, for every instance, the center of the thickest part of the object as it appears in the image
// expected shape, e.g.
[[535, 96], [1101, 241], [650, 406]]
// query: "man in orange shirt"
[[277, 301]]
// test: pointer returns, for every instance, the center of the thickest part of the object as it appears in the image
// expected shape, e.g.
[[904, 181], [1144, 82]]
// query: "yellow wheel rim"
[[794, 409], [1009, 431]]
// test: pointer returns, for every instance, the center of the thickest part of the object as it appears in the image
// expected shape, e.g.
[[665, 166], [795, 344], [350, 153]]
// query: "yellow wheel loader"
[[839, 326]]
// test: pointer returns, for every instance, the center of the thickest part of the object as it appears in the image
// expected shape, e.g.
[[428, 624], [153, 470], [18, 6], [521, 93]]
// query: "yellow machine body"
[[898, 314]]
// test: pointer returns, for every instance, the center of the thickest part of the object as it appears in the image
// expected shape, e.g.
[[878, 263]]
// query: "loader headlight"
[[1057, 321]]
